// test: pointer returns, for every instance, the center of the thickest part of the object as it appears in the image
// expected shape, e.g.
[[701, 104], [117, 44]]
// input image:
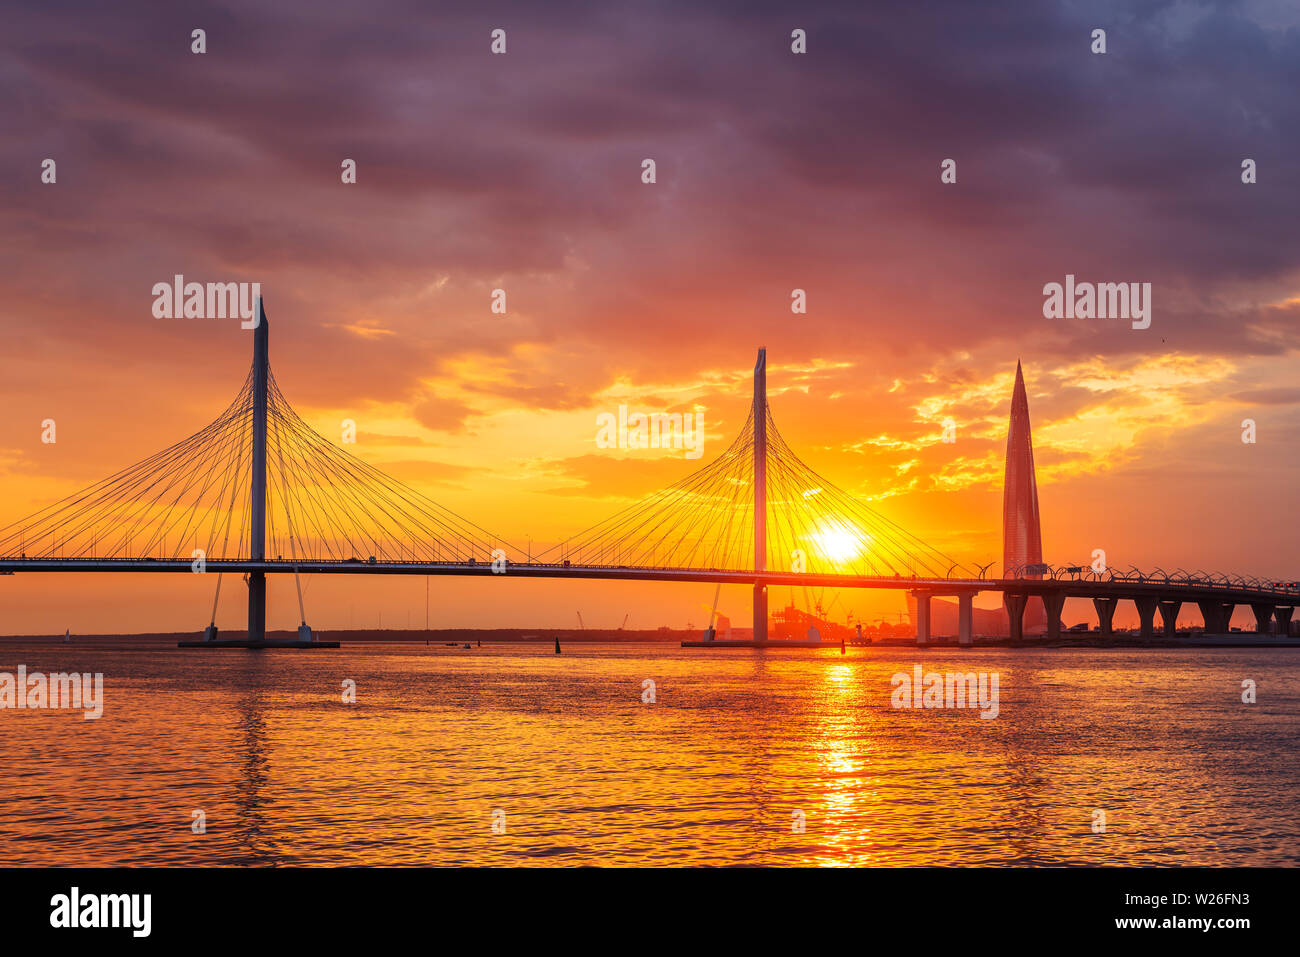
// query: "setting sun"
[[840, 541]]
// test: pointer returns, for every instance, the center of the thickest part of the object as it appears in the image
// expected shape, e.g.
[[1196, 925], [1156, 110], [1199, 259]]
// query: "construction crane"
[[581, 626], [625, 618], [831, 607]]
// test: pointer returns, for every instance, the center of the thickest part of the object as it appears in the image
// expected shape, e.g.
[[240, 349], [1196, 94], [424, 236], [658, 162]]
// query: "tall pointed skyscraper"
[[1022, 537]]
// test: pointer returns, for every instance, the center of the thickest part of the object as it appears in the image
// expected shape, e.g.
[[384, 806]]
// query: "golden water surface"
[[738, 747]]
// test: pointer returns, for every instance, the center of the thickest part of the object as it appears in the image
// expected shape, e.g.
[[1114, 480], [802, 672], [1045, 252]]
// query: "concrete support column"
[[1228, 609], [1212, 613], [922, 617], [965, 613], [1169, 616], [1054, 602], [1015, 605], [1105, 615], [1263, 616], [1147, 614], [1283, 615], [760, 613], [256, 606]]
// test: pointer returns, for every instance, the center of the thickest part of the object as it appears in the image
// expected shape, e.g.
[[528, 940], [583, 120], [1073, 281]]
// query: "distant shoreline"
[[405, 635], [674, 636]]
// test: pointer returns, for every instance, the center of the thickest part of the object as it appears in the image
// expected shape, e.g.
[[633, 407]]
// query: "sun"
[[840, 541]]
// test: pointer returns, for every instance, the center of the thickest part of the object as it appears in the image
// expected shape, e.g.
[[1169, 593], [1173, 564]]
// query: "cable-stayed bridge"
[[259, 492]]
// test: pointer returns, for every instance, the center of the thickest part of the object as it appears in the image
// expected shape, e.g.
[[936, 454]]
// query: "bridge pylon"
[[257, 518], [257, 503], [760, 493]]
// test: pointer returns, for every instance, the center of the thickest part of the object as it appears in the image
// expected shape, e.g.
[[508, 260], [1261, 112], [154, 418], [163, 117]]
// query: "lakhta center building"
[[1022, 537]]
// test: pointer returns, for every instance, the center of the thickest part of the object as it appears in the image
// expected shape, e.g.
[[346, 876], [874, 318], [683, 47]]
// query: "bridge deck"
[[1083, 587]]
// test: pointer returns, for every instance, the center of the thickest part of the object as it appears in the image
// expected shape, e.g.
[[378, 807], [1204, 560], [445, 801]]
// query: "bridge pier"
[[965, 614], [760, 613], [1217, 616], [1263, 616], [1015, 605], [256, 606], [1169, 616], [1054, 602], [1283, 615], [1147, 615], [1105, 615], [922, 618]]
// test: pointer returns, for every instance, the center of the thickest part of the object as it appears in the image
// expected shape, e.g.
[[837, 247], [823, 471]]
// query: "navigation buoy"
[[557, 644], [841, 646]]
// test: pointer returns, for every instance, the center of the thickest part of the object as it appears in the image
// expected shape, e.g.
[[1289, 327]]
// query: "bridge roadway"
[[1216, 599]]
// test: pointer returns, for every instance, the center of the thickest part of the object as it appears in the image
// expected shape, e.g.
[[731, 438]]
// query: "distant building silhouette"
[[1022, 537]]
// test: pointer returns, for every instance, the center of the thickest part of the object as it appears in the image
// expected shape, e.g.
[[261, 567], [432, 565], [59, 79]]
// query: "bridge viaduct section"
[[1150, 598]]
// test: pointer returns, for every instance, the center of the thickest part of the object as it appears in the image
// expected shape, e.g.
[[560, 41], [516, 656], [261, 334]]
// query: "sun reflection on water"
[[586, 773]]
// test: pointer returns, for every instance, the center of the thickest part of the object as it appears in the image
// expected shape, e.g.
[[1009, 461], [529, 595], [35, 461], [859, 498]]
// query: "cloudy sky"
[[775, 171]]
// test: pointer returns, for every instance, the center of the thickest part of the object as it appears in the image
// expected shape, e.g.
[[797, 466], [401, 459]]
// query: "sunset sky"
[[775, 171]]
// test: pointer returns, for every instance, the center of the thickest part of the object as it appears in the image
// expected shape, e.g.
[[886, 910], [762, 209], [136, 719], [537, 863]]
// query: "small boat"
[[466, 646], [450, 644]]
